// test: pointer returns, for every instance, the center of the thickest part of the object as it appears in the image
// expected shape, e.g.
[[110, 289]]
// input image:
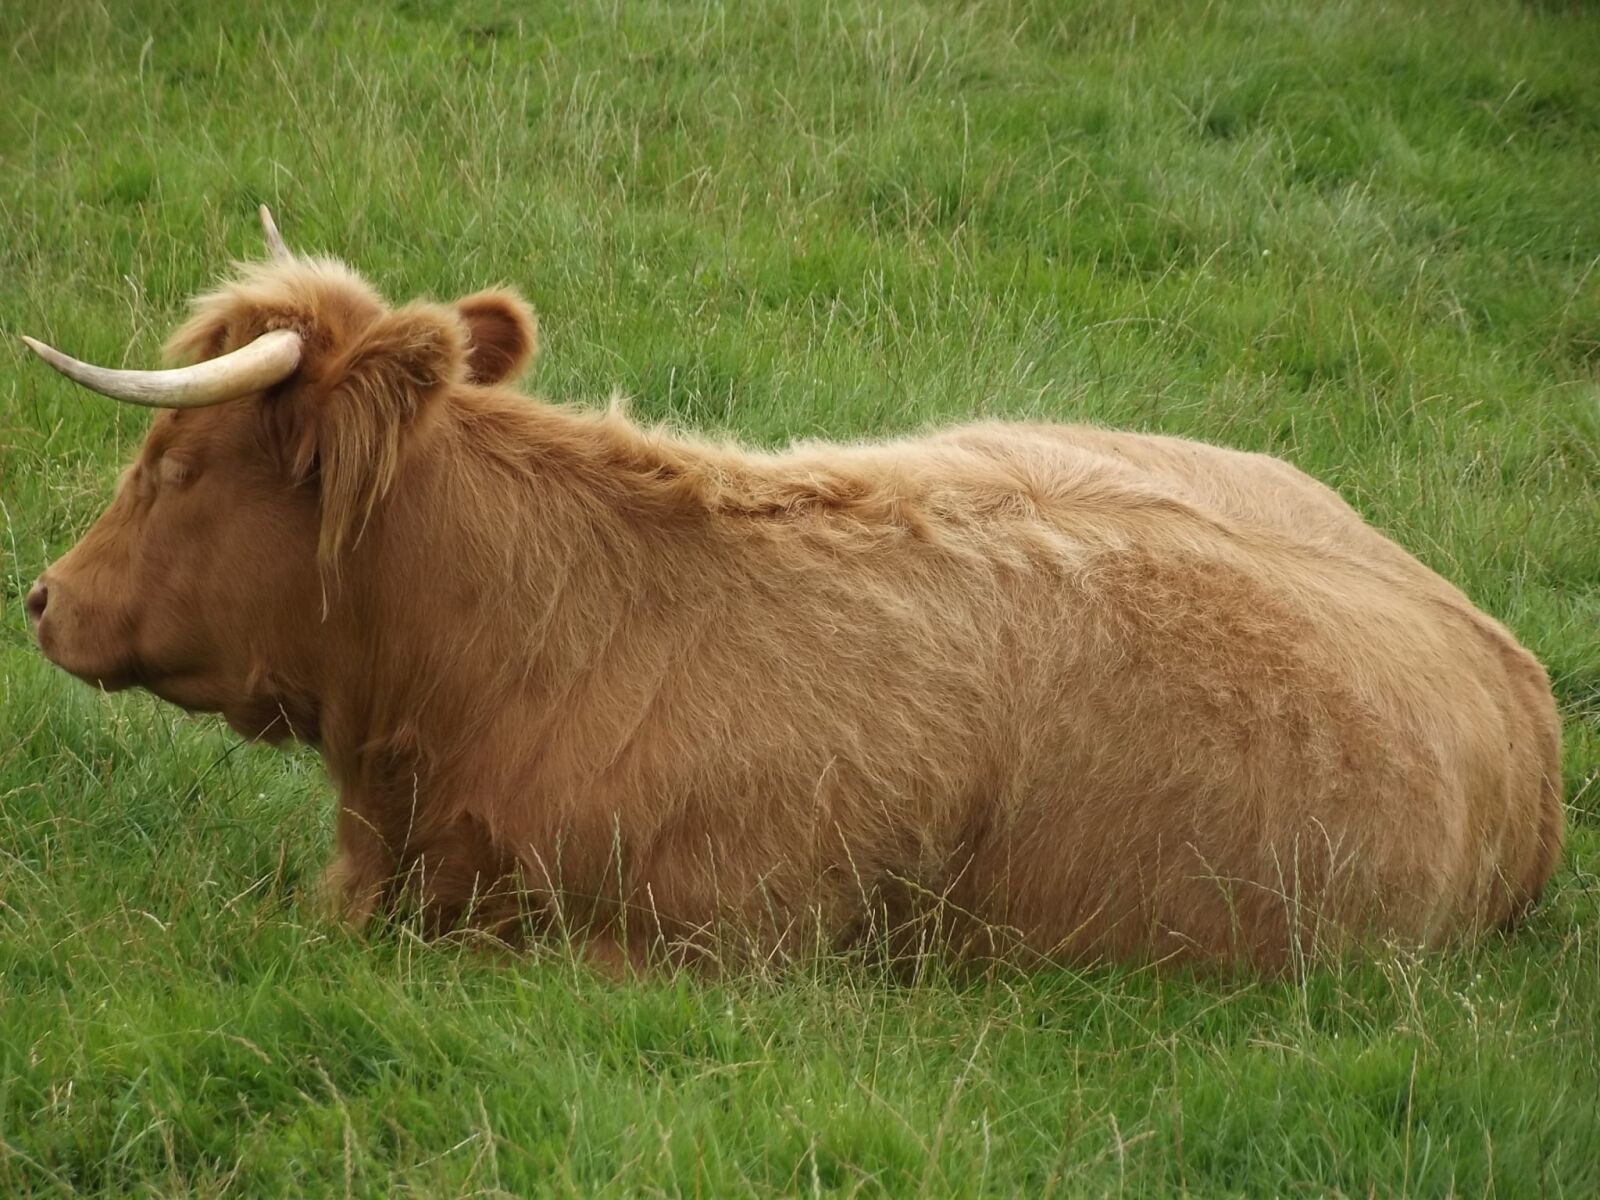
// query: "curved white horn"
[[270, 359], [269, 229]]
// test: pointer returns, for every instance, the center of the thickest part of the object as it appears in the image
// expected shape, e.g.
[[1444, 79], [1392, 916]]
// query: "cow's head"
[[206, 579]]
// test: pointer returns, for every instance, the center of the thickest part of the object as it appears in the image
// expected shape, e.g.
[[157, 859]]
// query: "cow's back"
[[1106, 695], [1289, 724]]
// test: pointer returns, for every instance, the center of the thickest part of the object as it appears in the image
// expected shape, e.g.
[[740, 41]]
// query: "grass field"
[[1360, 235]]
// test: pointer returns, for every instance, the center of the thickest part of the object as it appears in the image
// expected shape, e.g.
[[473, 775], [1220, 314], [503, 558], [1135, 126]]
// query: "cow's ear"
[[503, 335], [347, 434]]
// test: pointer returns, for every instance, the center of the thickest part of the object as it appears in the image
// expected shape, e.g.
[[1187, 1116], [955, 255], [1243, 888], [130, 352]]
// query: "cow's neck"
[[510, 564]]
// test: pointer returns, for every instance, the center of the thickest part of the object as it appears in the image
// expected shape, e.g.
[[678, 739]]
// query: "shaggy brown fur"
[[1047, 689]]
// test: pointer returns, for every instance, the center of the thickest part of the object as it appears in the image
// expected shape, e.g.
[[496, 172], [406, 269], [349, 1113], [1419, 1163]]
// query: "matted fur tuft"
[[322, 299], [374, 391]]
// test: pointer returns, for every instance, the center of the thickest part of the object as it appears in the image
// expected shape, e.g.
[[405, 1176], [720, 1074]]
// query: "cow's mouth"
[[118, 675]]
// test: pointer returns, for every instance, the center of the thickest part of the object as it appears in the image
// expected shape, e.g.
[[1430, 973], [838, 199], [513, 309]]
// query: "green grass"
[[1362, 235]]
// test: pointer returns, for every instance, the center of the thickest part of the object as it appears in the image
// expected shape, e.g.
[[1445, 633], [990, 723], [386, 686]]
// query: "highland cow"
[[1046, 692]]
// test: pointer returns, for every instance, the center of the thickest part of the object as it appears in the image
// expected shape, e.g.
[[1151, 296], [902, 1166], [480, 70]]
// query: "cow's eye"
[[175, 472]]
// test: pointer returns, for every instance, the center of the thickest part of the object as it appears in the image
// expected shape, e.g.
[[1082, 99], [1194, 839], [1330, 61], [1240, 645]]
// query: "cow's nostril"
[[38, 597]]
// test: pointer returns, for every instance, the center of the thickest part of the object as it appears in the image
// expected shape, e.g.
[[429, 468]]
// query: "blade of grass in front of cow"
[[1355, 234]]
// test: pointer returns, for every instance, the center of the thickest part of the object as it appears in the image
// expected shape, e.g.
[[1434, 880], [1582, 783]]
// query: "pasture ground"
[[1360, 234]]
